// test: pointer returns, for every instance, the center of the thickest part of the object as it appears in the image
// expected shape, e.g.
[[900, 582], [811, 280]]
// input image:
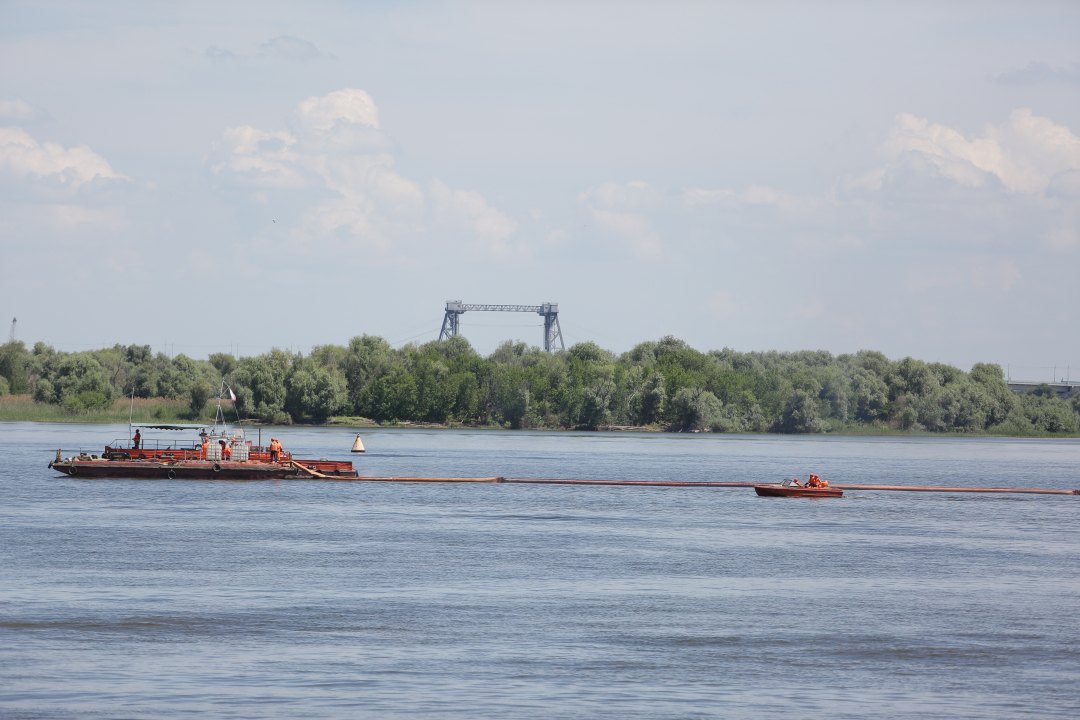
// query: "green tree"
[[200, 392], [80, 373], [315, 392], [263, 378], [511, 395], [800, 414], [13, 367], [695, 409], [870, 395], [596, 400], [224, 363]]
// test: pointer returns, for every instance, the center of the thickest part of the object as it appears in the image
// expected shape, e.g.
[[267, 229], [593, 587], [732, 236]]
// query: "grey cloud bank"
[[791, 176]]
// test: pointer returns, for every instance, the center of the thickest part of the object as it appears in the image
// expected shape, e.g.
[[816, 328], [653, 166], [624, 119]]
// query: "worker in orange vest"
[[813, 481], [275, 446], [205, 446], [226, 451], [795, 482]]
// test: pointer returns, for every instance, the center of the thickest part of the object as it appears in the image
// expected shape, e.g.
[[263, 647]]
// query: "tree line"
[[663, 383]]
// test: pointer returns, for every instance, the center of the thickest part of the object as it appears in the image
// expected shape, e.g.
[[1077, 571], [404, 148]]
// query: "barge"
[[218, 454], [150, 468]]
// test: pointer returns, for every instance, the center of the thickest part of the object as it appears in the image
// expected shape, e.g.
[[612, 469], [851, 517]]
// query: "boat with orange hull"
[[84, 466], [217, 454], [784, 490]]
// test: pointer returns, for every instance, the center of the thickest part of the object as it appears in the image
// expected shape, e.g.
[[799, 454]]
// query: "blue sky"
[[758, 176]]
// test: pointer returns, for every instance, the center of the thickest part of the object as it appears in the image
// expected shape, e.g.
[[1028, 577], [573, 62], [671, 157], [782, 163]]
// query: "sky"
[[216, 177]]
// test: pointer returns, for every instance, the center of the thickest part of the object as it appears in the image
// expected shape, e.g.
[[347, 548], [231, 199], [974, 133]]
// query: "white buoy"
[[358, 446]]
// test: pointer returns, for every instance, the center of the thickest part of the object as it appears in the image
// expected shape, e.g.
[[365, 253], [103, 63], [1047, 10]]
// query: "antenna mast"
[[11, 337]]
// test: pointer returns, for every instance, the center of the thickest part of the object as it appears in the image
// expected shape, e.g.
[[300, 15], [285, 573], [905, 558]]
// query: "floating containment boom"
[[920, 488], [707, 484]]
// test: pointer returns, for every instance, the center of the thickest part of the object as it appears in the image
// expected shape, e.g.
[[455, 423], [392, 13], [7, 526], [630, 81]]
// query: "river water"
[[309, 599]]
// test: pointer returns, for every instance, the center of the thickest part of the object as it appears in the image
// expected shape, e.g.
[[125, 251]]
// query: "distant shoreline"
[[22, 408]]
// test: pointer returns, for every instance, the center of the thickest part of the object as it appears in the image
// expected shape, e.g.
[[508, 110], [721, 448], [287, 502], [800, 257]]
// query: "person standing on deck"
[[137, 440], [274, 446], [205, 446]]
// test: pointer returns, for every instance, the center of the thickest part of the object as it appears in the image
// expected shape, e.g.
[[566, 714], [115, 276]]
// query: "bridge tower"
[[553, 339]]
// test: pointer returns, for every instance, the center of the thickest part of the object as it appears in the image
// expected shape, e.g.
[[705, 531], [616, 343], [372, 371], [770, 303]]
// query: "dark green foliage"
[[1044, 390], [695, 409], [14, 367], [223, 363], [800, 414], [199, 392], [663, 383], [86, 401], [314, 391]]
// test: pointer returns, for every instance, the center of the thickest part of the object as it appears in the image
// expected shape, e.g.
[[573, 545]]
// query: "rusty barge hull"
[[200, 470]]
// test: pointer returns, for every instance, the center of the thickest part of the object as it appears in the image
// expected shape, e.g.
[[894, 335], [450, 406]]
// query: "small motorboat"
[[787, 489]]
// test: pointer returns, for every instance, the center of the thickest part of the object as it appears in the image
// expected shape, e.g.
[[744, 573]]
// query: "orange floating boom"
[[649, 483], [680, 483], [921, 488], [430, 479]]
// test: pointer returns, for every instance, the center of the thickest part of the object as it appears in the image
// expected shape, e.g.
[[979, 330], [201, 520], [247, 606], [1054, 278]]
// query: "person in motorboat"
[[816, 482]]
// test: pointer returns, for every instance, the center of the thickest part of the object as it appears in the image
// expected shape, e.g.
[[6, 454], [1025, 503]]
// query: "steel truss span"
[[553, 339]]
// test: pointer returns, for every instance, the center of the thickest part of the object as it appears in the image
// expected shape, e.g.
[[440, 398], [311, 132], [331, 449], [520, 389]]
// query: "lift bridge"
[[553, 339]]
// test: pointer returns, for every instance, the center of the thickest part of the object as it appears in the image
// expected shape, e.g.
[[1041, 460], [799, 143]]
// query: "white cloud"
[[469, 211], [72, 217], [753, 195], [633, 228], [23, 157], [1024, 153], [698, 196], [350, 105], [632, 195], [337, 147], [19, 109]]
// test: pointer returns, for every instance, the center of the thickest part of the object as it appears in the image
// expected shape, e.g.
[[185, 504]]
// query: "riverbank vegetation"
[[663, 384]]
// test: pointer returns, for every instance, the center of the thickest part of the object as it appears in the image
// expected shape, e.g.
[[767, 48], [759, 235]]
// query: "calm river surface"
[[308, 599]]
